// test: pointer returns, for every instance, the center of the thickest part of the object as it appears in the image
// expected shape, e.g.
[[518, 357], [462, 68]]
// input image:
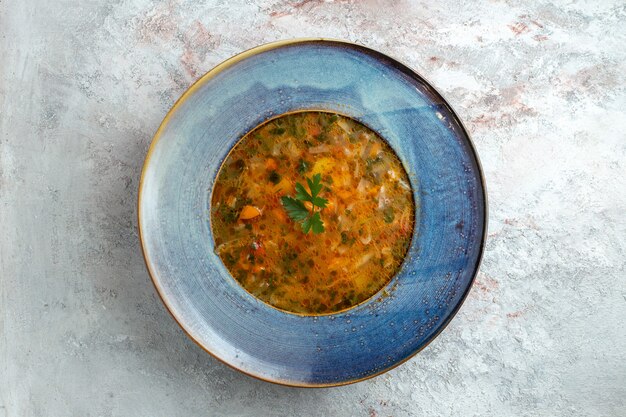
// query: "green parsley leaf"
[[294, 208], [302, 194], [319, 202], [306, 225], [314, 222], [297, 211], [315, 184], [317, 223]]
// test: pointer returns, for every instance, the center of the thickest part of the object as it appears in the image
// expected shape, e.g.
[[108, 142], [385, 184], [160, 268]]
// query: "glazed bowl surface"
[[175, 203]]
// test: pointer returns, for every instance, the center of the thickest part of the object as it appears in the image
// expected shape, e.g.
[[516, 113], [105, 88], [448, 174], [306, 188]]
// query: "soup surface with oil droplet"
[[312, 212]]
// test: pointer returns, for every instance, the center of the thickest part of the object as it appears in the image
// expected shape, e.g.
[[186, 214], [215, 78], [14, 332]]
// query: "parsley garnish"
[[297, 211]]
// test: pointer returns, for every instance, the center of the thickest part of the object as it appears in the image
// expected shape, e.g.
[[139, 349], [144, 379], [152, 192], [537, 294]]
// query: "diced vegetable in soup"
[[312, 213]]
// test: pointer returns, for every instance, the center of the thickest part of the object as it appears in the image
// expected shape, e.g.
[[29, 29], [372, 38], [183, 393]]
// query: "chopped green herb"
[[239, 165], [230, 259], [370, 162], [303, 166], [228, 214], [388, 215], [347, 240], [322, 137], [274, 177], [252, 151]]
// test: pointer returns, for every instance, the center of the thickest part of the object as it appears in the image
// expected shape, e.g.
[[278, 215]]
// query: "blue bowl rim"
[[291, 42]]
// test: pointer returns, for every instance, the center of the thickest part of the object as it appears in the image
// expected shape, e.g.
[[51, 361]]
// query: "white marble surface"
[[83, 87]]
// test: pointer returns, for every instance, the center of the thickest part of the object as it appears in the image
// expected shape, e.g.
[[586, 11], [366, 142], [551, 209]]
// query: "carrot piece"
[[249, 212], [270, 164]]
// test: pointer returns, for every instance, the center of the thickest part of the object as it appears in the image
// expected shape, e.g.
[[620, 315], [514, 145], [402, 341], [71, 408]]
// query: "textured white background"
[[541, 87]]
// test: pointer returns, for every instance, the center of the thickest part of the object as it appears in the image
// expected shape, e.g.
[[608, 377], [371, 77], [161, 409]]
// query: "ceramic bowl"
[[239, 329]]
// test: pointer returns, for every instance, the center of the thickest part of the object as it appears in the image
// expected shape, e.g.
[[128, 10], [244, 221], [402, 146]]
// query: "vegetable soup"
[[312, 212]]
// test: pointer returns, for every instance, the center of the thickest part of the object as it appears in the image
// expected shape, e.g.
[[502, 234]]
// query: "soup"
[[312, 212]]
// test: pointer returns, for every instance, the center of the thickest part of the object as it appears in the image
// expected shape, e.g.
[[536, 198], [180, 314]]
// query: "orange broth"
[[367, 218]]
